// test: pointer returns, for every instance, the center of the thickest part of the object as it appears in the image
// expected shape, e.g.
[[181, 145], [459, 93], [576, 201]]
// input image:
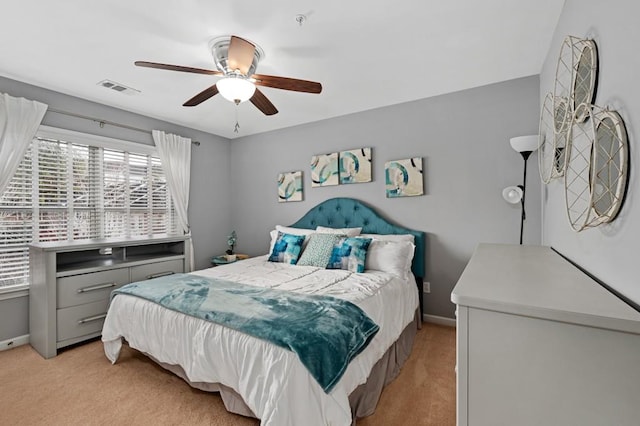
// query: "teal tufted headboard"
[[350, 213]]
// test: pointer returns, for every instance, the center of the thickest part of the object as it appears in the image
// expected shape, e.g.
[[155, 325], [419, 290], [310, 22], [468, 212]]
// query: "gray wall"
[[463, 138], [209, 213], [610, 251], [464, 141]]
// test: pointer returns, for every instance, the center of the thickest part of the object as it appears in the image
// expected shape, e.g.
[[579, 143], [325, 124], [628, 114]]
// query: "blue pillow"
[[287, 248], [319, 249], [350, 254]]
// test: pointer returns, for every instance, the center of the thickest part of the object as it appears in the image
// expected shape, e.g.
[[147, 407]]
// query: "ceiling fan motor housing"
[[219, 47]]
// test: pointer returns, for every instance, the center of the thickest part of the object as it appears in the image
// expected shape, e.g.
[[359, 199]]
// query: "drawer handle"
[[89, 319], [96, 287], [160, 274]]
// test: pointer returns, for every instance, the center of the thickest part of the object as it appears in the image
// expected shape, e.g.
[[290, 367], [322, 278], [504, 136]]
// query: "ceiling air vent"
[[118, 87]]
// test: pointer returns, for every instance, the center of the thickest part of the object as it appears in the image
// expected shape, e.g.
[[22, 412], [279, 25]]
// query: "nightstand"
[[222, 260]]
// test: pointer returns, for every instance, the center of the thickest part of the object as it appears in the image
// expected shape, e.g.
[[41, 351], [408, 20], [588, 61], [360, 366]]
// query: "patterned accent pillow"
[[287, 248], [350, 254], [319, 249]]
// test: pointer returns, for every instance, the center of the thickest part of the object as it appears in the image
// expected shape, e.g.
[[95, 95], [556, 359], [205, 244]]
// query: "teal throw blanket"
[[325, 332]]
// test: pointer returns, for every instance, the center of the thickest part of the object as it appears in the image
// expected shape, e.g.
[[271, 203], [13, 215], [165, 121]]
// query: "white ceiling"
[[366, 54]]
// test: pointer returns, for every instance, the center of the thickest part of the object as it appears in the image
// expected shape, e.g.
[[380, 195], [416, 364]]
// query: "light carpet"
[[81, 387]]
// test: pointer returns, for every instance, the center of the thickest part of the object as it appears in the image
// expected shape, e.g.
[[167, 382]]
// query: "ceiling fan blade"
[[286, 83], [202, 96], [240, 54], [175, 68], [262, 103]]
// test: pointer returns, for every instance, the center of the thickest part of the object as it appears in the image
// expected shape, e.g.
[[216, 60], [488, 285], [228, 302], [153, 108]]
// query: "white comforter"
[[272, 381]]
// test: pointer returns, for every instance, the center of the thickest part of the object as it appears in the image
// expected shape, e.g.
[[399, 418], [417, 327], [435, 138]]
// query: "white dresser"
[[71, 283], [541, 343]]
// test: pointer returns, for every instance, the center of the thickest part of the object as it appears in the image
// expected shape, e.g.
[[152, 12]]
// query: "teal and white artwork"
[[404, 177], [355, 166], [324, 169], [289, 187]]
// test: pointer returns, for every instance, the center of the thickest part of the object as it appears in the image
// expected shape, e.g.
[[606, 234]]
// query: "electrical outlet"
[[16, 341], [427, 287]]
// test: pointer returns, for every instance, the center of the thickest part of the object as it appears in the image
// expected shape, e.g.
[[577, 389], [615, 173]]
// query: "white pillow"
[[294, 231], [289, 230], [390, 237], [394, 257], [349, 232]]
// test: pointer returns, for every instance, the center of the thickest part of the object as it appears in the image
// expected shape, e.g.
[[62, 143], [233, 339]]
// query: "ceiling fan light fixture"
[[236, 89]]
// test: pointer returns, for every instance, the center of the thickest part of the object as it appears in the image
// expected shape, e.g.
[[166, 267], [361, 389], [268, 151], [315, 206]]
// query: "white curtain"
[[175, 154], [19, 121]]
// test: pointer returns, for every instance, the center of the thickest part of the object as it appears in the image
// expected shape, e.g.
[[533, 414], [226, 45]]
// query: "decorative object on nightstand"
[[525, 145], [226, 259], [231, 242]]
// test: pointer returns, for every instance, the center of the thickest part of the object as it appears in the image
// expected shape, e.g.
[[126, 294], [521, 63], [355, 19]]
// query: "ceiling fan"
[[236, 61]]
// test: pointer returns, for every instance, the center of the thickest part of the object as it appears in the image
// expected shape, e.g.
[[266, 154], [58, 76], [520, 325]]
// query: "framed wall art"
[[324, 169], [355, 166], [403, 178], [289, 187]]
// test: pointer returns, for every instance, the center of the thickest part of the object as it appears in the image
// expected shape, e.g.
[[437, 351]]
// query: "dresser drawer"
[[153, 270], [81, 320], [86, 288]]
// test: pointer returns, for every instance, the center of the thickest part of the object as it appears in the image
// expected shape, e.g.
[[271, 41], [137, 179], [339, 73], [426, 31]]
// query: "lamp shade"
[[236, 89], [512, 194], [524, 143]]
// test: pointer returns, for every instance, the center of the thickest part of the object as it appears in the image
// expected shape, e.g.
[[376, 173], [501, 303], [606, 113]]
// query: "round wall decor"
[[575, 82], [552, 144], [596, 167]]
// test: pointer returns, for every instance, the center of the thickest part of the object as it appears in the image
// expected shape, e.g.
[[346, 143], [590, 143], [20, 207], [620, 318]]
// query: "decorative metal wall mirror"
[[609, 163], [552, 144], [575, 83], [584, 77], [596, 171], [584, 142]]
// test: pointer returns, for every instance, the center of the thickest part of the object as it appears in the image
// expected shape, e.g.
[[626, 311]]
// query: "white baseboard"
[[12, 343], [435, 319]]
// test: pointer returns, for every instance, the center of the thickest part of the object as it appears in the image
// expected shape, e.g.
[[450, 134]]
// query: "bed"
[[264, 380]]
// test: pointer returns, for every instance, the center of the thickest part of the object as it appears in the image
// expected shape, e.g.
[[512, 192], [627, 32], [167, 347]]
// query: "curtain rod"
[[102, 122]]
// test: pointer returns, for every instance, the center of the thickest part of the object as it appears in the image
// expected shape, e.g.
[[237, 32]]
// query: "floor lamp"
[[525, 145]]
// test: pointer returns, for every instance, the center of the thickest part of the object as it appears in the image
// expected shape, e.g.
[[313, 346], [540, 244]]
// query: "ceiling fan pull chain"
[[237, 126]]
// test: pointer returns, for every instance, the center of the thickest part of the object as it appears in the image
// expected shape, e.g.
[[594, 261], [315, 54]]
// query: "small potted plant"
[[231, 242]]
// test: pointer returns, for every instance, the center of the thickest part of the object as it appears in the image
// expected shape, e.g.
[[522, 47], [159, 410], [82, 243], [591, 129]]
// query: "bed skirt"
[[363, 400]]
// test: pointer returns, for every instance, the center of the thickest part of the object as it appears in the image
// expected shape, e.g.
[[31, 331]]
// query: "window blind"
[[65, 191], [16, 224]]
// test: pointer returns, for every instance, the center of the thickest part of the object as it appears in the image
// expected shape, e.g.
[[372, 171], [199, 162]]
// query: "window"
[[72, 186]]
